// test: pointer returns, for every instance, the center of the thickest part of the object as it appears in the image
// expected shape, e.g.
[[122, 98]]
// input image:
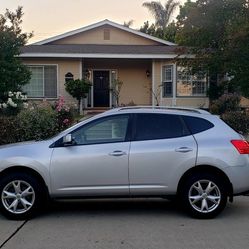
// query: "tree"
[[218, 33], [129, 23], [167, 34], [115, 89], [13, 74], [156, 93], [161, 13], [78, 89]]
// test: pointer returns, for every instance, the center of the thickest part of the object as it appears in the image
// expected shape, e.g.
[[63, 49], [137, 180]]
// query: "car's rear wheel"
[[21, 195], [204, 195]]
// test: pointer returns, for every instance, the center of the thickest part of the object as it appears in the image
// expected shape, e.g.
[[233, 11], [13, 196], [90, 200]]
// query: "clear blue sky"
[[51, 17]]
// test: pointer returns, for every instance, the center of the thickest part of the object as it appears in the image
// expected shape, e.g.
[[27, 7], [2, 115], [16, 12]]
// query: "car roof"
[[158, 109], [145, 109]]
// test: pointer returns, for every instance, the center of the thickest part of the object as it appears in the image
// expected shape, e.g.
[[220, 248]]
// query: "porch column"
[[174, 93], [80, 73], [153, 83]]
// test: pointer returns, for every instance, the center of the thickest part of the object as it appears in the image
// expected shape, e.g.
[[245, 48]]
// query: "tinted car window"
[[159, 126], [197, 125], [107, 130]]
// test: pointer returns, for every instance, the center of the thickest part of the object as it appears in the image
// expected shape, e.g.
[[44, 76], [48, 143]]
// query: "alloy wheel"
[[204, 196], [18, 197]]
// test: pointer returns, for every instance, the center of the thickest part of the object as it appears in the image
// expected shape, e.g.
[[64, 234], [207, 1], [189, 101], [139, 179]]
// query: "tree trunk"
[[81, 106]]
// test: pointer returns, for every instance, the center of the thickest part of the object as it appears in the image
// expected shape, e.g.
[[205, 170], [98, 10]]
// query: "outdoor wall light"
[[148, 73]]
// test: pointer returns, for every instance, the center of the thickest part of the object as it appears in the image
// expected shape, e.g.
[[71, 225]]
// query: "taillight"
[[241, 145]]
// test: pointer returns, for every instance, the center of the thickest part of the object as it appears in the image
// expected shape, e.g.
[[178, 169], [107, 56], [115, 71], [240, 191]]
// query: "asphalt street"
[[121, 224]]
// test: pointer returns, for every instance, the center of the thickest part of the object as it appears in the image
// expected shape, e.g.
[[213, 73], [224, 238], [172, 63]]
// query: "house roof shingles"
[[99, 49]]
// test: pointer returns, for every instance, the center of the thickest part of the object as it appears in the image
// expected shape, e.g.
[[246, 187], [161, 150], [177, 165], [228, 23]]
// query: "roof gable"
[[135, 36]]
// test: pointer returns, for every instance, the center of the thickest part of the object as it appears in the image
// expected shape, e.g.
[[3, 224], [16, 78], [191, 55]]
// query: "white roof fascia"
[[114, 56], [98, 24]]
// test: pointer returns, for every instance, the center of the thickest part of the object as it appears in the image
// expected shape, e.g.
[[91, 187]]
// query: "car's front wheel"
[[21, 195], [204, 195]]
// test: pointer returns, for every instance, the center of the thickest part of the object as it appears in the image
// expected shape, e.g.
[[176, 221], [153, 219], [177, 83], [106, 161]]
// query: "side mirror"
[[68, 140]]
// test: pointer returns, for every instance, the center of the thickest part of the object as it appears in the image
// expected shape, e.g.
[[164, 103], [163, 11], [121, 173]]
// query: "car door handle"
[[117, 153], [184, 149]]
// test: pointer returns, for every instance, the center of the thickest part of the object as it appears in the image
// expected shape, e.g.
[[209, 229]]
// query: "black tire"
[[34, 197], [208, 204]]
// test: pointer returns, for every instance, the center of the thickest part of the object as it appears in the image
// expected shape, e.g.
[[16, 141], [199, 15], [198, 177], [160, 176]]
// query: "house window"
[[167, 80], [107, 34], [43, 82], [191, 84]]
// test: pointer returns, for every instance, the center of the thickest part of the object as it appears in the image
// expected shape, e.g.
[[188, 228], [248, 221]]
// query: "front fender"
[[41, 168]]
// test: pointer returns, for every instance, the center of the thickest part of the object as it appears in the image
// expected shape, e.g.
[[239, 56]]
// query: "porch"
[[135, 74]]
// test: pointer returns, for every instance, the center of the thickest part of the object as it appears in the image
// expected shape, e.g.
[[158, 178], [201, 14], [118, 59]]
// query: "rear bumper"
[[239, 178]]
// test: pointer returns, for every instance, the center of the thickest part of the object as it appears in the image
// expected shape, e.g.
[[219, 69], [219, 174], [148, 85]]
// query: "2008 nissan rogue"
[[127, 152]]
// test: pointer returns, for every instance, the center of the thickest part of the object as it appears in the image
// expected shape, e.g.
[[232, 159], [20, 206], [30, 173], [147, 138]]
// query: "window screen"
[[50, 82], [159, 126], [43, 82], [35, 87]]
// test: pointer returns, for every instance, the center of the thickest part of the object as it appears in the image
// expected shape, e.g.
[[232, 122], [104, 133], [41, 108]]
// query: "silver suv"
[[127, 152]]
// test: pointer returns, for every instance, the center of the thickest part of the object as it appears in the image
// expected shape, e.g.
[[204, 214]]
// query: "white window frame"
[[167, 81], [57, 80], [191, 81]]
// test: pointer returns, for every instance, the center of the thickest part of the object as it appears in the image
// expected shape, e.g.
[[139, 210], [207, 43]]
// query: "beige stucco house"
[[105, 51]]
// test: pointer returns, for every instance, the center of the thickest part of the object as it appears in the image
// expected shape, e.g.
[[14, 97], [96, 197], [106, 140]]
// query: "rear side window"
[[159, 126], [197, 125]]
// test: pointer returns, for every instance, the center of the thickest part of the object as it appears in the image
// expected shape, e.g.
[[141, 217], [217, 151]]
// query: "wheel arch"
[[207, 169], [24, 169]]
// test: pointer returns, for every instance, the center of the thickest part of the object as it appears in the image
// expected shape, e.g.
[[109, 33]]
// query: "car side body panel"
[[90, 170], [156, 165], [33, 155]]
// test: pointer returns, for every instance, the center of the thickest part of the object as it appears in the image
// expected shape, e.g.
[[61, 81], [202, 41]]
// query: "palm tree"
[[161, 13]]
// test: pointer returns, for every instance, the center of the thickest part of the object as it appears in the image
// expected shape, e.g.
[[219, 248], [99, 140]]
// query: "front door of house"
[[101, 92]]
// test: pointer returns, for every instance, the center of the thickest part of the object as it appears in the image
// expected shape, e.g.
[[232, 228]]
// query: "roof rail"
[[176, 108]]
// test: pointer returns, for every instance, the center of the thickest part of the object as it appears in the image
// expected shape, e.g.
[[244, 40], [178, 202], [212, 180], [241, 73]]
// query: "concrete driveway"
[[118, 224]]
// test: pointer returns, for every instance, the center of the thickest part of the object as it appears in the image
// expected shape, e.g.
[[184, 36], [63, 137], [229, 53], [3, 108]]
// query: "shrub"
[[64, 114], [15, 101], [78, 88], [8, 129], [238, 120], [37, 123], [226, 103]]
